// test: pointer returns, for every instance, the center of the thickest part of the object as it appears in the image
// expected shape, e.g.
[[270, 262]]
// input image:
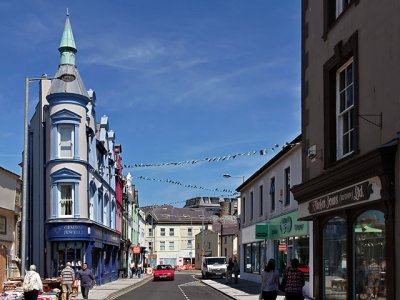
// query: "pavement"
[[244, 289]]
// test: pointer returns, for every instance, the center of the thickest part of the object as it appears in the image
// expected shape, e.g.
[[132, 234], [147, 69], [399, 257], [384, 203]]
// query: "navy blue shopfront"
[[78, 243]]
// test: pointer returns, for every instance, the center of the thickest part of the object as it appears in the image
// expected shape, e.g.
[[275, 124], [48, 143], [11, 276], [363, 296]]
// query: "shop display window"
[[335, 259], [369, 256]]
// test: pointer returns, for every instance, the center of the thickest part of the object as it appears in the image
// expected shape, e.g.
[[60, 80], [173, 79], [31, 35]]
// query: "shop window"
[[370, 258], [66, 202], [300, 249], [247, 261], [335, 259]]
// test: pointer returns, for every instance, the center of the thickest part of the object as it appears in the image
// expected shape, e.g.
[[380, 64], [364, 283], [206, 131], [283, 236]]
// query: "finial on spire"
[[67, 12]]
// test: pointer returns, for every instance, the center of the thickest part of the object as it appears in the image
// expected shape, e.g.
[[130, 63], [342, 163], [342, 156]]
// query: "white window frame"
[[162, 245], [171, 245], [61, 200], [346, 113], [189, 244], [162, 231], [172, 230], [190, 231], [72, 130]]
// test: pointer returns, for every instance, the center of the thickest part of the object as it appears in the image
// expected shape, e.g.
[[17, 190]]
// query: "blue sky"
[[179, 80]]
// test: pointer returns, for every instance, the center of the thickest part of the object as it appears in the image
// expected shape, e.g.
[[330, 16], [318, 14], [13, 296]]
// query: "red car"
[[163, 272]]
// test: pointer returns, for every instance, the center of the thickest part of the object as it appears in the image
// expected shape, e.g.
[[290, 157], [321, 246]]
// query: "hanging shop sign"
[[365, 191], [136, 249]]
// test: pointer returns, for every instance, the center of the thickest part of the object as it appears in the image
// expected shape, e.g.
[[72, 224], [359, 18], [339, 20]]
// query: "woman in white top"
[[269, 281], [32, 284]]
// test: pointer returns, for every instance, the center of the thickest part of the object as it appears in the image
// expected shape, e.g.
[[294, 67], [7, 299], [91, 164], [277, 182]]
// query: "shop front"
[[353, 229], [281, 238], [79, 243]]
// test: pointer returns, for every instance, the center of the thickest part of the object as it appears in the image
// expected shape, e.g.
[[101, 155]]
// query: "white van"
[[213, 266]]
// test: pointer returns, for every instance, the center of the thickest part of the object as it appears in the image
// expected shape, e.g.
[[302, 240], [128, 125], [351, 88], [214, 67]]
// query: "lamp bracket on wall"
[[367, 117]]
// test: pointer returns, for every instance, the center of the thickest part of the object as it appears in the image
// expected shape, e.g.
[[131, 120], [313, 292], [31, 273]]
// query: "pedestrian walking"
[[67, 279], [269, 281], [236, 270], [32, 284], [293, 281], [132, 266], [139, 270], [229, 270], [87, 280]]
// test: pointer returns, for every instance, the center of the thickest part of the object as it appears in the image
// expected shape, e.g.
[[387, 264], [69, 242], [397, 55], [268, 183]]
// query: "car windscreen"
[[164, 267], [214, 261]]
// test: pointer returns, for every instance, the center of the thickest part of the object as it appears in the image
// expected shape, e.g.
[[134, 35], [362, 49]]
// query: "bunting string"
[[210, 159], [187, 185]]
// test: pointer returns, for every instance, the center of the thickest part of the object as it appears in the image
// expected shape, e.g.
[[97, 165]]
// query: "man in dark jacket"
[[87, 279]]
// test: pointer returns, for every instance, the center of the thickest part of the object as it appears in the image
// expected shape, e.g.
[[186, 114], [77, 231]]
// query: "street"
[[184, 287]]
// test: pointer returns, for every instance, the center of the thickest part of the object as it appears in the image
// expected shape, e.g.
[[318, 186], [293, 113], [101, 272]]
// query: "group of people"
[[136, 269], [232, 269], [33, 284], [292, 282]]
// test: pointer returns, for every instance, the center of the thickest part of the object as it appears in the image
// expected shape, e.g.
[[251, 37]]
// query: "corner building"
[[350, 126], [72, 198]]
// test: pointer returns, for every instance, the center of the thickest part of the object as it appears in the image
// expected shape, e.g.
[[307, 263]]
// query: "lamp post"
[[63, 77], [230, 176]]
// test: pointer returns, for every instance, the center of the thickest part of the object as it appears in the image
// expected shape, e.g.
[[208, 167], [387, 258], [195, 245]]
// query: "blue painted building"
[[72, 199]]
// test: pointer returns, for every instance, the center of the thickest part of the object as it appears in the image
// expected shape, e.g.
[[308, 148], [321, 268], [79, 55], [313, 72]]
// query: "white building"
[[269, 218]]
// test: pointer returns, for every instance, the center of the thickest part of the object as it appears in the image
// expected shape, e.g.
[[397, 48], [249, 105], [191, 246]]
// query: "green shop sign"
[[282, 227], [262, 232]]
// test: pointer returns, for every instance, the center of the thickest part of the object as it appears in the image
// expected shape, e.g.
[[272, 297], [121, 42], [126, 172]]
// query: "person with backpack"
[[32, 284], [293, 281]]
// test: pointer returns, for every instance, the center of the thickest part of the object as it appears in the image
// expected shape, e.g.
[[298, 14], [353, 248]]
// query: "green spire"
[[67, 46]]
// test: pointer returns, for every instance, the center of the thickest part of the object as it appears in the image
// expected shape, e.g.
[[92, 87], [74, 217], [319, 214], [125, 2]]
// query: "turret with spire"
[[67, 46], [67, 65]]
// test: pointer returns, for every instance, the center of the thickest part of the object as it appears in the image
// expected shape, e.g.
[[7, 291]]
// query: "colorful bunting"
[[209, 159]]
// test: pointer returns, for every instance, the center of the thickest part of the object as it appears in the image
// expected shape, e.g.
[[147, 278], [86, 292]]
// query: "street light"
[[230, 176], [66, 78]]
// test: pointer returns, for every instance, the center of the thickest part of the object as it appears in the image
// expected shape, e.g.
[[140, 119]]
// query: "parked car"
[[213, 266], [164, 272]]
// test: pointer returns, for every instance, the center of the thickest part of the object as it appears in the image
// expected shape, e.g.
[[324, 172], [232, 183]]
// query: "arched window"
[[370, 259], [335, 259]]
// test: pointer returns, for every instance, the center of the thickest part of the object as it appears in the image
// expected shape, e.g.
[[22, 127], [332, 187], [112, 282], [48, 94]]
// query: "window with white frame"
[[150, 231], [65, 141], [66, 200], [162, 231], [190, 232], [162, 246], [171, 232], [171, 245], [345, 109], [189, 244]]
